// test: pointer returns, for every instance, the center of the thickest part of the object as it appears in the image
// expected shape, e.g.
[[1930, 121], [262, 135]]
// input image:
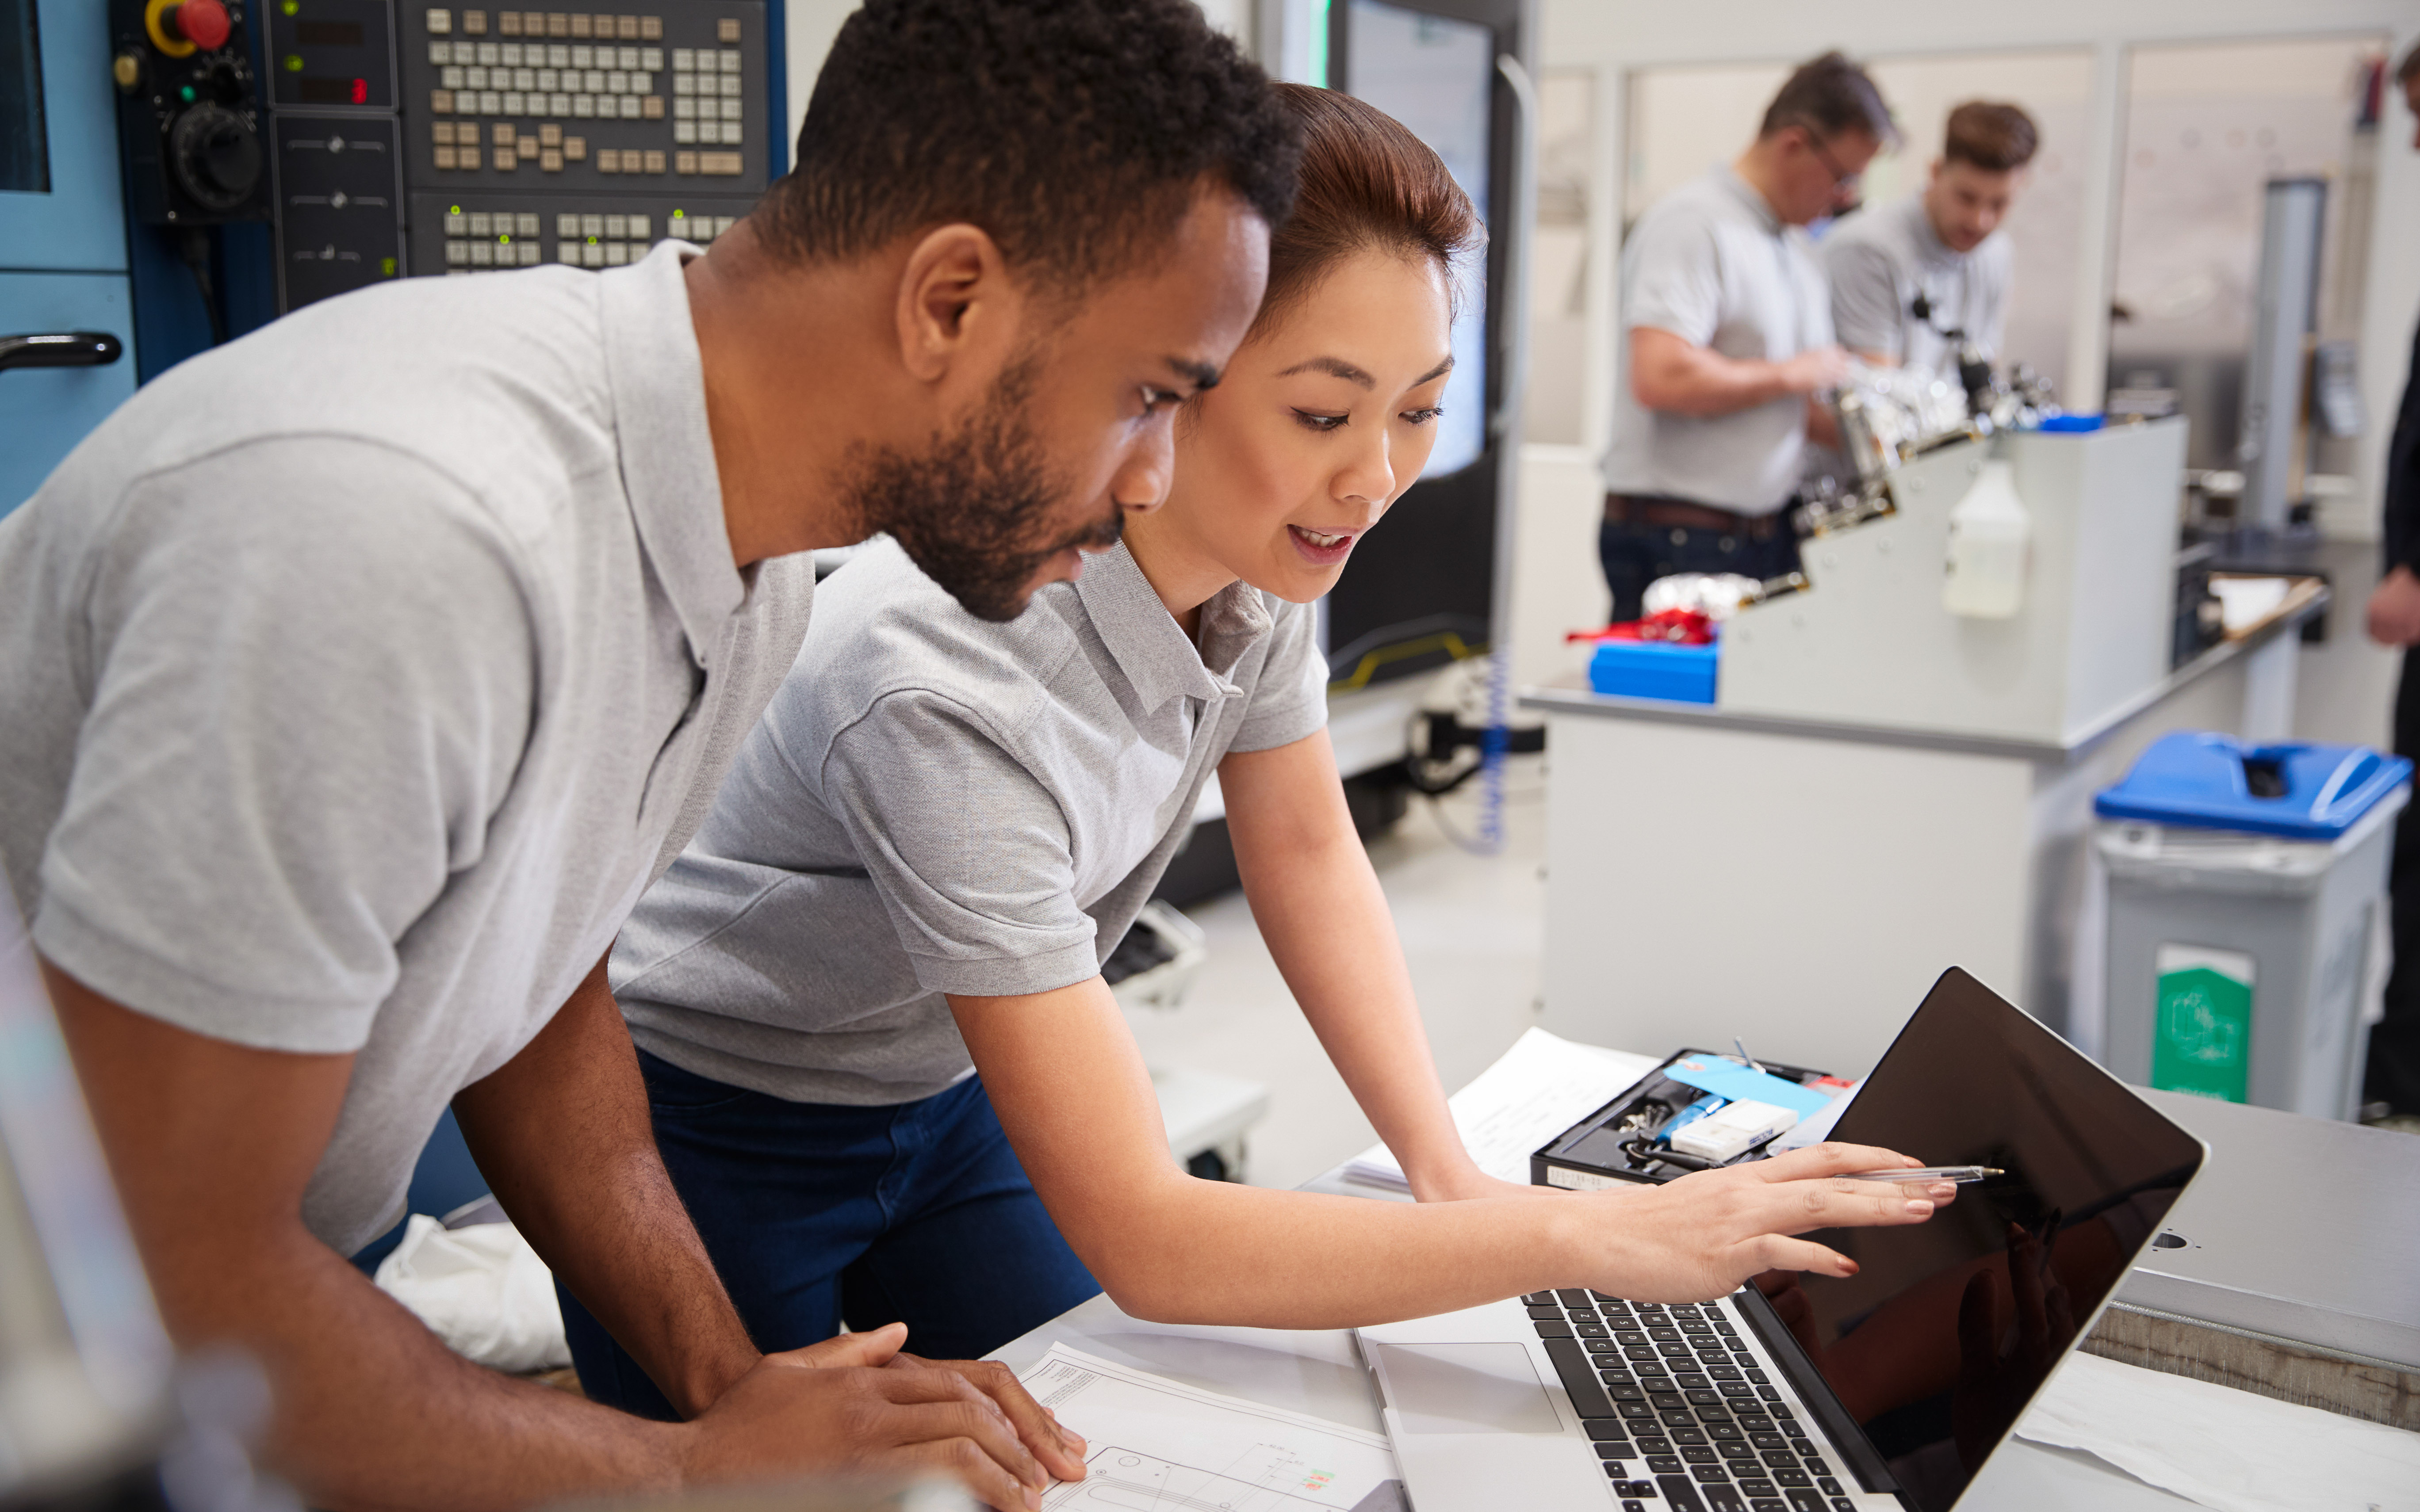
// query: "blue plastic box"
[[1655, 670]]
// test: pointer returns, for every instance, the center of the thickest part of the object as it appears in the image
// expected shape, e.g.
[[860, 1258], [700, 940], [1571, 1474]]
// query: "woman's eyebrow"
[[1437, 372], [1334, 367]]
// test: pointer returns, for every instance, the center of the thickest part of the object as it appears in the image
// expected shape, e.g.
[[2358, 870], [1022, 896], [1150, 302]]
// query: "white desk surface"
[[1319, 1372]]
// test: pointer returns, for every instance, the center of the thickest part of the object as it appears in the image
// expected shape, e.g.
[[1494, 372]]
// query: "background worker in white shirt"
[[1906, 274], [1726, 338]]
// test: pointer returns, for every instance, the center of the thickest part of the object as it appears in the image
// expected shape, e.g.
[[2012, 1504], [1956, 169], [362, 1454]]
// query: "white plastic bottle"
[[1989, 537]]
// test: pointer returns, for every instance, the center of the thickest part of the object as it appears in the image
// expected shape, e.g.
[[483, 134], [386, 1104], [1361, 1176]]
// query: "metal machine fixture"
[[2293, 220]]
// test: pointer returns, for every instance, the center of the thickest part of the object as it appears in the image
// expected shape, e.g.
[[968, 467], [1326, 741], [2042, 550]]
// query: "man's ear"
[[954, 294], [1932, 175]]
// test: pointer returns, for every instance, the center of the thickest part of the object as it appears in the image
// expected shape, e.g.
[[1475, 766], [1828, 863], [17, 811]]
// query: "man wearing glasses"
[[1726, 338]]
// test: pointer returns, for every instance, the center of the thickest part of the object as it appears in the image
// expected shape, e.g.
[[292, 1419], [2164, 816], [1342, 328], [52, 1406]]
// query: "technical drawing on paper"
[[1159, 1445], [1263, 1480]]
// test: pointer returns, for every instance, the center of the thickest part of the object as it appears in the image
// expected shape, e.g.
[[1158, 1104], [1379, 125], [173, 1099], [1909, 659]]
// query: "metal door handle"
[[60, 349]]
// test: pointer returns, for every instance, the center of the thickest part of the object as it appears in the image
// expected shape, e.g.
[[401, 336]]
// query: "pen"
[[1960, 1174]]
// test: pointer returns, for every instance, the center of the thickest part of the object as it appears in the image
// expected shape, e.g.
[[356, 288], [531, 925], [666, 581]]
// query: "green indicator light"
[[503, 241], [290, 8], [680, 215], [293, 62], [386, 267], [188, 93], [454, 210]]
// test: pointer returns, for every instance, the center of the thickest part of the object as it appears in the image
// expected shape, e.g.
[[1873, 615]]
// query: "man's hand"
[[2394, 609], [833, 1407], [1060, 1449], [1700, 1237], [1815, 369]]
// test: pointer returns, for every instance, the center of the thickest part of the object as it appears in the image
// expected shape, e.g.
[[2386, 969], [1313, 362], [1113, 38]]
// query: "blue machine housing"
[[2295, 790]]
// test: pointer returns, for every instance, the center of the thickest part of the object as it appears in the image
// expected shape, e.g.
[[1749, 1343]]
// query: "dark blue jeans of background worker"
[[813, 1213], [1636, 554]]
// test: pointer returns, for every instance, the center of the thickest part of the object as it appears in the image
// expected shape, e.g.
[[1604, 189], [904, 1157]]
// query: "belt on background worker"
[[1658, 509]]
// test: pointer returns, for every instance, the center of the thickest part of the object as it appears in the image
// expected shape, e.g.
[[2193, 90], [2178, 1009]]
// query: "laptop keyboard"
[[1680, 1409]]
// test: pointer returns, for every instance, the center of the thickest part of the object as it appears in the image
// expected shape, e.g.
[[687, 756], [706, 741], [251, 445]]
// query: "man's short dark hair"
[[1075, 131], [1994, 138], [1828, 95], [2408, 69]]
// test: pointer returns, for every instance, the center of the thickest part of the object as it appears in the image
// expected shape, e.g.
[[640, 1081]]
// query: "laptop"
[[1801, 1393]]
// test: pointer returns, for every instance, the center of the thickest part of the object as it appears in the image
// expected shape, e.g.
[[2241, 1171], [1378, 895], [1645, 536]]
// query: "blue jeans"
[[1635, 555], [815, 1213]]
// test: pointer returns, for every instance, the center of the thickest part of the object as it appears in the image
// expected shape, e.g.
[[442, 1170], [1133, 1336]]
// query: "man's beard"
[[969, 510]]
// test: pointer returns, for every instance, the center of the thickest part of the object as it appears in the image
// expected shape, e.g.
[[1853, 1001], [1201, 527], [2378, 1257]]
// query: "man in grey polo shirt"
[[1911, 278], [1726, 338], [359, 677]]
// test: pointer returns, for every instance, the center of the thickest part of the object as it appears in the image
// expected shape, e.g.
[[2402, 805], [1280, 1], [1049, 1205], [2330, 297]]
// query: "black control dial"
[[215, 156]]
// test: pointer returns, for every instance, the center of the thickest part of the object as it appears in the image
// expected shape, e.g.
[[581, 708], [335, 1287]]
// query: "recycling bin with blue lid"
[[2246, 885]]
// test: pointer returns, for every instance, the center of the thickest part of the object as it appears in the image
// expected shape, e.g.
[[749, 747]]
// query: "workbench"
[[1799, 882], [2295, 1269]]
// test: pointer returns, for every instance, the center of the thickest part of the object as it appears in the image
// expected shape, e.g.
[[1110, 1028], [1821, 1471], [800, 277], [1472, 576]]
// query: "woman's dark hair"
[[1366, 183], [1075, 131]]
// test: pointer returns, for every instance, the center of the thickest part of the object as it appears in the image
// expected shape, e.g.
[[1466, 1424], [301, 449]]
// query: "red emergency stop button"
[[202, 23]]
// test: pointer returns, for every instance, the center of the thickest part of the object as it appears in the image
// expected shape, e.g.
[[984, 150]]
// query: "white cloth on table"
[[483, 1291]]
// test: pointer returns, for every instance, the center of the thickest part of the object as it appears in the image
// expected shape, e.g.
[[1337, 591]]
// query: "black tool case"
[[1610, 1145]]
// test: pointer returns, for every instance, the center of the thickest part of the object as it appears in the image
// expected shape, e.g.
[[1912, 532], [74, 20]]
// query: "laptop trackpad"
[[1467, 1388]]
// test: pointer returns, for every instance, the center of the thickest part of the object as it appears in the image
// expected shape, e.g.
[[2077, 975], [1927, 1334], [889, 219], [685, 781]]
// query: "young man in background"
[[1907, 274]]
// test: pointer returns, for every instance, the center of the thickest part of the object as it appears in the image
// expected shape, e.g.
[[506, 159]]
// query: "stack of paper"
[[2219, 1448], [1156, 1443], [1537, 1089]]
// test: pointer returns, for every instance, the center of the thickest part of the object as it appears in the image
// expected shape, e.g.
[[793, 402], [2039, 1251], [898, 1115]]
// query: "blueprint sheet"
[[1157, 1445]]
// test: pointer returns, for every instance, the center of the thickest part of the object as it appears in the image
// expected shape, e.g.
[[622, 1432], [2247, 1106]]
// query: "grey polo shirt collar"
[[1148, 644], [1930, 249], [658, 385], [1747, 195]]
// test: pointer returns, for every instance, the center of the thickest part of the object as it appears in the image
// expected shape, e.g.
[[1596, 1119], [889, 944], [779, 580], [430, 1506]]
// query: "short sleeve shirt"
[[360, 674], [1712, 263], [1880, 259], [935, 804]]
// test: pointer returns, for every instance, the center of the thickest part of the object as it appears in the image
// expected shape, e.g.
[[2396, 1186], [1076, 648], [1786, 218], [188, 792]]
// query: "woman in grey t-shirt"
[[942, 826]]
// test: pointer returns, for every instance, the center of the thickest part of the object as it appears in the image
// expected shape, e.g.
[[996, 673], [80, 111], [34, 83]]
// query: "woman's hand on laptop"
[[1700, 1237]]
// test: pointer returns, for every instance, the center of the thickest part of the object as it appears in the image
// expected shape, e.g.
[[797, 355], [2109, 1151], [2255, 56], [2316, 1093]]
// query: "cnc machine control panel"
[[579, 137]]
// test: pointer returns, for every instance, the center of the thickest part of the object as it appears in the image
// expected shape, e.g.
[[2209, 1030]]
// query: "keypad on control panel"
[[491, 240], [560, 69]]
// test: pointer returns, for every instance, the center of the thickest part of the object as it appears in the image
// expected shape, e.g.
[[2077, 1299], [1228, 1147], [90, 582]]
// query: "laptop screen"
[[1949, 1327]]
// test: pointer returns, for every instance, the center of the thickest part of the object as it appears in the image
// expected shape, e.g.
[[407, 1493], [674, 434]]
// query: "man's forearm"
[[210, 1143], [1677, 377], [562, 1133], [375, 1412]]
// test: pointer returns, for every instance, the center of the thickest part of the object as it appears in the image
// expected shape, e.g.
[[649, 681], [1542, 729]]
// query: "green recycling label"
[[2201, 1040]]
